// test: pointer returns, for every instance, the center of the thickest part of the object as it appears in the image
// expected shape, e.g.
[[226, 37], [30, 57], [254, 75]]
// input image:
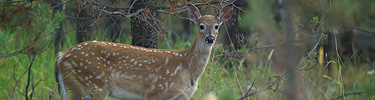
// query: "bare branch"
[[251, 87], [269, 87], [175, 14], [60, 4], [19, 51], [195, 4], [127, 15], [347, 94], [363, 30], [29, 80], [312, 50], [131, 6], [10, 3]]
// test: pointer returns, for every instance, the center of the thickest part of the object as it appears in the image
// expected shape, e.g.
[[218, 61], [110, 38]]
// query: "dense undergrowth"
[[228, 75]]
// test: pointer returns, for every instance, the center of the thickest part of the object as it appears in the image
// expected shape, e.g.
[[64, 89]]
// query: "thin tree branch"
[[363, 30], [251, 87], [127, 15], [131, 6], [175, 14], [266, 88], [60, 4], [311, 51], [18, 52], [347, 94], [285, 75], [29, 79]]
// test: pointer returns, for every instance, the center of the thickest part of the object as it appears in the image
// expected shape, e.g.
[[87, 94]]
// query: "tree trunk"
[[331, 51], [237, 36], [143, 29], [113, 23], [82, 33], [58, 31]]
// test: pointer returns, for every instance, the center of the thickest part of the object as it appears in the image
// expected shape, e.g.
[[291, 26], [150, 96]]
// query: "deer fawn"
[[131, 72]]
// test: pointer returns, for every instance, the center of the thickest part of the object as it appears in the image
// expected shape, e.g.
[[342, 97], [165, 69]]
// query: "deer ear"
[[225, 13], [193, 13]]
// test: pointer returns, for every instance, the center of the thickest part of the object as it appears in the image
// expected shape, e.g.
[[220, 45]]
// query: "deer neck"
[[197, 56]]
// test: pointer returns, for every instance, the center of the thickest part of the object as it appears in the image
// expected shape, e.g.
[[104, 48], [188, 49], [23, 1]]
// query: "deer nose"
[[210, 39]]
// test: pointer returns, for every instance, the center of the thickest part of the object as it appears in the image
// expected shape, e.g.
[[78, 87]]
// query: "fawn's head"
[[208, 25]]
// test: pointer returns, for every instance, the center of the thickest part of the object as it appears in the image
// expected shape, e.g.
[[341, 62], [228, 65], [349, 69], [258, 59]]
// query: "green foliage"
[[169, 43], [226, 93], [37, 41], [259, 16], [315, 20]]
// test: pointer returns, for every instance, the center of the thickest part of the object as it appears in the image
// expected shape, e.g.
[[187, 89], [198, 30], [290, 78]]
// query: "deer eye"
[[216, 26], [201, 27]]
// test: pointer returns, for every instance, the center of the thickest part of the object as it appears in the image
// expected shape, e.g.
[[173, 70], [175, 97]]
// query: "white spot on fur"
[[179, 67], [152, 86], [166, 86], [140, 76], [98, 77], [104, 43], [80, 78], [68, 65], [67, 55], [74, 63], [166, 61]]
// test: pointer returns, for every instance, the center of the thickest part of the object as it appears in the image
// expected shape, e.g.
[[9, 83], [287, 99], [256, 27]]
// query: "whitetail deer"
[[131, 72]]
